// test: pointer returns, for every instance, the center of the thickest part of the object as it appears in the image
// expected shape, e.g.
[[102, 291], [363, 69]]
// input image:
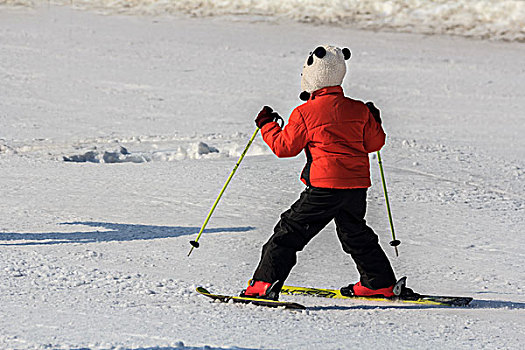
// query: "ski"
[[411, 299], [246, 300]]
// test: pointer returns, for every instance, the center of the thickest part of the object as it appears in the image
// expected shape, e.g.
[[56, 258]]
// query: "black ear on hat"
[[304, 96], [310, 60], [320, 52], [346, 53]]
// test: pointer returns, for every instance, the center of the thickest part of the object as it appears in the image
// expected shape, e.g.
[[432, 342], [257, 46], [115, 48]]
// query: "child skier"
[[336, 133]]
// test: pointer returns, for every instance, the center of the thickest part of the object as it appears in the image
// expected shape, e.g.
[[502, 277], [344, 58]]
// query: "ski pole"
[[195, 243], [394, 243]]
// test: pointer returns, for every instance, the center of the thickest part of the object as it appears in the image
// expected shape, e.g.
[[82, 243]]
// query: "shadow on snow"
[[495, 304], [109, 232], [182, 347], [475, 304]]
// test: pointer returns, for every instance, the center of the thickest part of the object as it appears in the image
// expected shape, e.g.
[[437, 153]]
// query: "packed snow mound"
[[137, 149], [122, 155], [494, 19]]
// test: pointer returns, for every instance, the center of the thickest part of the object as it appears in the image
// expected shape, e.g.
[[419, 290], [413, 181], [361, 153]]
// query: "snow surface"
[[93, 253], [494, 19]]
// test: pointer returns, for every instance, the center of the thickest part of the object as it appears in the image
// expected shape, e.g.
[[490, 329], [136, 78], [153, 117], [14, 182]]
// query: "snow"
[[495, 19], [122, 155], [94, 254]]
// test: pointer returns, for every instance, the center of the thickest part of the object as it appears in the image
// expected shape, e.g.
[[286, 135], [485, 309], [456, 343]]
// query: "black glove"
[[375, 112], [265, 116]]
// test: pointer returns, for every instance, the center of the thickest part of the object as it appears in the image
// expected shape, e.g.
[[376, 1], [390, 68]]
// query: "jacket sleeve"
[[287, 142], [374, 136]]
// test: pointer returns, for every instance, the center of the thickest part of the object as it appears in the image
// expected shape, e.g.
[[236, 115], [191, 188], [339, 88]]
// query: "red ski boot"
[[260, 290], [361, 291]]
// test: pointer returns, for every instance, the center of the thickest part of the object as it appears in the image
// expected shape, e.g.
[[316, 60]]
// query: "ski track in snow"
[[94, 253]]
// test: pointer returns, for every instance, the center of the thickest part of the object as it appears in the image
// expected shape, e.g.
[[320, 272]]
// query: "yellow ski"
[[254, 301], [412, 299]]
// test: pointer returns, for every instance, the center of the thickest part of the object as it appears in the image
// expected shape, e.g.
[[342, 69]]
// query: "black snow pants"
[[315, 208]]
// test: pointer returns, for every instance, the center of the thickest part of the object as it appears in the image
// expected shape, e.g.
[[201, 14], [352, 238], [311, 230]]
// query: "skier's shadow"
[[475, 304], [495, 304], [373, 307], [182, 347], [107, 232]]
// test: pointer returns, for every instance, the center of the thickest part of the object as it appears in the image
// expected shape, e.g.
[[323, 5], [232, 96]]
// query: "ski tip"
[[202, 290]]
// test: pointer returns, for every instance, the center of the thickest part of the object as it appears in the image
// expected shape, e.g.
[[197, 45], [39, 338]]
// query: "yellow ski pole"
[[394, 243], [195, 243]]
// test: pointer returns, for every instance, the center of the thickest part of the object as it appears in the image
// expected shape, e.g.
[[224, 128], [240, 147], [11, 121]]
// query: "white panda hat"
[[324, 67]]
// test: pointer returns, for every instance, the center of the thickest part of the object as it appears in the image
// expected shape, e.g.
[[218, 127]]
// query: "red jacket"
[[336, 132]]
